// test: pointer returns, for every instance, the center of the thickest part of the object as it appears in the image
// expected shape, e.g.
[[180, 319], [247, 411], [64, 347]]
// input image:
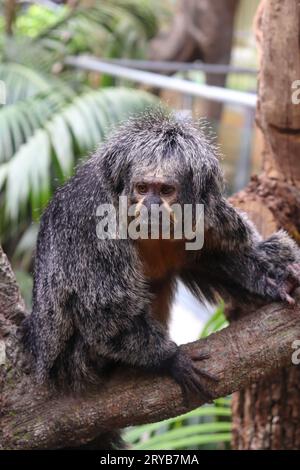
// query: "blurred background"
[[70, 72]]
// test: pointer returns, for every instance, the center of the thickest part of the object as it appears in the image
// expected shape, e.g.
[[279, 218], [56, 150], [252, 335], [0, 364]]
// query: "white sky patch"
[[188, 316]]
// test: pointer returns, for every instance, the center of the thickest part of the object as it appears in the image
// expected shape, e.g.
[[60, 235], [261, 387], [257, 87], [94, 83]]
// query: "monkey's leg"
[[140, 341]]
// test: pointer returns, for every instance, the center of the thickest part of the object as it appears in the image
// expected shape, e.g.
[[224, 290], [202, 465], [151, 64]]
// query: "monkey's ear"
[[114, 170]]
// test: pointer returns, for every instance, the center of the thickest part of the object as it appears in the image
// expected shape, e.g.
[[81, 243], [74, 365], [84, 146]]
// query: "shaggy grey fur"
[[91, 302]]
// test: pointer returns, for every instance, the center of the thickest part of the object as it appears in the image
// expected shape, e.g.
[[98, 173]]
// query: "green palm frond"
[[110, 28], [39, 56], [143, 14], [22, 82], [216, 322], [199, 427], [18, 122], [55, 143]]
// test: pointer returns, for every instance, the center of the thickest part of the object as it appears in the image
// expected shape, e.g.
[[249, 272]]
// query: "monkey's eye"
[[142, 188], [167, 190]]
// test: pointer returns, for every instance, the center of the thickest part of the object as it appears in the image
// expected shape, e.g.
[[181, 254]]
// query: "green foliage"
[[108, 28], [42, 139], [196, 429], [38, 18], [208, 427], [216, 322], [54, 116]]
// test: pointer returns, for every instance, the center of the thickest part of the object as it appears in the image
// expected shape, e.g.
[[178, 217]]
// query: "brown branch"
[[33, 417]]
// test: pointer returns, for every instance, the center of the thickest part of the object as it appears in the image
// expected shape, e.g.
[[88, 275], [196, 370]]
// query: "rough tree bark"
[[201, 30], [267, 414], [34, 417]]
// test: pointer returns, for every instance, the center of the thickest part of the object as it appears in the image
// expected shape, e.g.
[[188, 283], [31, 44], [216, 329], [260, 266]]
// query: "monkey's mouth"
[[156, 230]]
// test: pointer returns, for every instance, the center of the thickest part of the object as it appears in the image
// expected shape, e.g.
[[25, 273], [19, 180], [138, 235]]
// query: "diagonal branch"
[[33, 417]]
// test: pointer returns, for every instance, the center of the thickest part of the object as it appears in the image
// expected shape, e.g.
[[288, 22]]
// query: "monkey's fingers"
[[294, 274], [199, 355], [194, 386], [200, 388], [285, 296], [205, 373]]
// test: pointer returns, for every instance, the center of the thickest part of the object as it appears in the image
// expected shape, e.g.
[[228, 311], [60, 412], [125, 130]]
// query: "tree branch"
[[33, 417]]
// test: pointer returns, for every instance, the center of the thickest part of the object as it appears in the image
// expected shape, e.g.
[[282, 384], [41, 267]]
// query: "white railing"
[[214, 93], [246, 101]]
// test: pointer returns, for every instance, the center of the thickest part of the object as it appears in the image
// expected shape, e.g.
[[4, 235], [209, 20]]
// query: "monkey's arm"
[[241, 264]]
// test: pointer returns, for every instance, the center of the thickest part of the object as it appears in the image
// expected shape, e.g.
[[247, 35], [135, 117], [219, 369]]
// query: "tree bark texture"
[[266, 415]]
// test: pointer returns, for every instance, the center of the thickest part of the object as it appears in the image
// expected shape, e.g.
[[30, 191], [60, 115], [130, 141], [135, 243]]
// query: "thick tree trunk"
[[267, 415], [201, 30]]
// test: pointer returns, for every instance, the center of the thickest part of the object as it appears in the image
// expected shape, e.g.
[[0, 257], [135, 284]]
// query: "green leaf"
[[61, 141], [183, 433], [209, 410], [190, 442], [59, 137], [22, 82], [216, 322]]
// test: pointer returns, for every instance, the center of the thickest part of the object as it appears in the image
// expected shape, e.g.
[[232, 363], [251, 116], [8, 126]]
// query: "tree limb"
[[33, 417]]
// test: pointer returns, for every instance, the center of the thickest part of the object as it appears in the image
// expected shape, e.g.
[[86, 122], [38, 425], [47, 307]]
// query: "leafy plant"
[[196, 428], [216, 322], [109, 28], [42, 138], [53, 115]]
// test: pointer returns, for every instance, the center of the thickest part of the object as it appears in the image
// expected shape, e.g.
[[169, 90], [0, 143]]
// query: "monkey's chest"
[[161, 259]]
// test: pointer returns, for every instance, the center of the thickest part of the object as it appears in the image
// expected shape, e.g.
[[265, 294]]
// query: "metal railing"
[[246, 101], [214, 93], [173, 66]]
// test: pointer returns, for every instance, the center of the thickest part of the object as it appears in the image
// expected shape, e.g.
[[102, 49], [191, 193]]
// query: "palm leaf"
[[133, 434], [190, 442], [23, 82], [73, 131], [198, 427], [19, 121], [216, 322]]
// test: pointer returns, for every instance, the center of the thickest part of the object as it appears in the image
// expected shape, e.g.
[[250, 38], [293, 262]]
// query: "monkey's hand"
[[266, 269], [279, 284], [278, 267], [184, 369]]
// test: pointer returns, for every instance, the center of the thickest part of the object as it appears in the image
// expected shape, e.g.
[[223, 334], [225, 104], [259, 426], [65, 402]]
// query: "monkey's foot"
[[189, 376]]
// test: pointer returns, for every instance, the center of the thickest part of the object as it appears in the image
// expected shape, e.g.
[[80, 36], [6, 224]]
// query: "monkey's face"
[[151, 190], [152, 200]]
